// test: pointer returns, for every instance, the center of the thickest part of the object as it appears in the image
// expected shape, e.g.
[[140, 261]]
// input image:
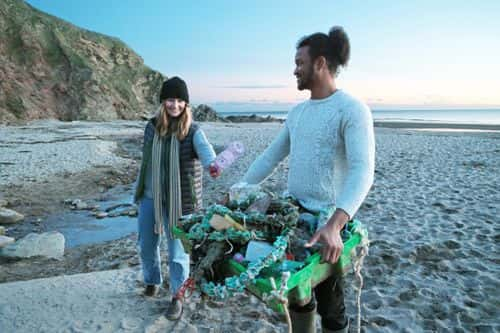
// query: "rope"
[[188, 285], [231, 247], [237, 284], [287, 316], [357, 271], [279, 295]]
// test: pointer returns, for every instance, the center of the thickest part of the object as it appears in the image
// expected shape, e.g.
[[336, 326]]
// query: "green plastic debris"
[[261, 277]]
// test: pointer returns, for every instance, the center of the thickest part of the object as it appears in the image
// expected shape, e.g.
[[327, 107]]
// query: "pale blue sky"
[[416, 53]]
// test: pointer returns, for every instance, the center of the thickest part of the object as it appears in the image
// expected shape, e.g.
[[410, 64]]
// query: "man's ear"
[[319, 63]]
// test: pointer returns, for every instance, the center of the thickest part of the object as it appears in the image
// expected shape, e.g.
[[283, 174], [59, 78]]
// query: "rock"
[[205, 113], [3, 203], [101, 215], [79, 204], [4, 240], [253, 119], [48, 244], [9, 216], [2, 230]]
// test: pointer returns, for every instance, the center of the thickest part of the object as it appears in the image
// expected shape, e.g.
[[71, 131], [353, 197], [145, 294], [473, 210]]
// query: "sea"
[[458, 116]]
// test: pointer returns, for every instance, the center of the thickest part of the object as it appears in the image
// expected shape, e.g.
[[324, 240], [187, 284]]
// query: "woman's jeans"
[[149, 245]]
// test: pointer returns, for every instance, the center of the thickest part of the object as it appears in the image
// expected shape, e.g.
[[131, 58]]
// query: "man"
[[330, 142]]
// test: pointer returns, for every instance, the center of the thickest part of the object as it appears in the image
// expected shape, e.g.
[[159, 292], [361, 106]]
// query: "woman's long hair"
[[179, 126]]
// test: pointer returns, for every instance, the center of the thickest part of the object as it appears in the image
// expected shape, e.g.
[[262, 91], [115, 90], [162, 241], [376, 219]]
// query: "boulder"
[[205, 113], [9, 216], [48, 244], [4, 240]]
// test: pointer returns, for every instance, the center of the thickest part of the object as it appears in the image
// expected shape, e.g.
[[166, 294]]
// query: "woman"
[[170, 185]]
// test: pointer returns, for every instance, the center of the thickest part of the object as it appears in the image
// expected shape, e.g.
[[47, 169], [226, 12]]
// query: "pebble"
[[9, 216], [101, 215], [4, 240]]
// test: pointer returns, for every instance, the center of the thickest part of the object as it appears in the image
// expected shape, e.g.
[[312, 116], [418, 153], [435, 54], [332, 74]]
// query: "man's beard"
[[304, 82]]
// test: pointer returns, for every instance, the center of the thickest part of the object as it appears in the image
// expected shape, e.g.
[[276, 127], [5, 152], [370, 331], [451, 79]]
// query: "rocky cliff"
[[50, 68]]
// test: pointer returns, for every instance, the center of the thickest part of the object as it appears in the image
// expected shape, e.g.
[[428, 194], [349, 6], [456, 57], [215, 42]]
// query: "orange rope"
[[188, 285]]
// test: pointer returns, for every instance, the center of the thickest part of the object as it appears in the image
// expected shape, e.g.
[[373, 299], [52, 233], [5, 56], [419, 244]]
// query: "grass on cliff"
[[33, 37]]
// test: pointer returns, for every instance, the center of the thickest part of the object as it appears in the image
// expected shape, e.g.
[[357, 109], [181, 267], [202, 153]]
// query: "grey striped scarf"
[[174, 183]]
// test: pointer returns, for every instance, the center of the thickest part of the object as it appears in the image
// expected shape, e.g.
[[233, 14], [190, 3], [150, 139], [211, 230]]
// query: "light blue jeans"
[[149, 250]]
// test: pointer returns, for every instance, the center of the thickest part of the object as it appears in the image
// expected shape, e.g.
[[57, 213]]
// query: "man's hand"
[[329, 236], [214, 170]]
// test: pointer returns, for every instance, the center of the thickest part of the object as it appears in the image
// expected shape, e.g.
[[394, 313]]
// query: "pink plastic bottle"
[[233, 151]]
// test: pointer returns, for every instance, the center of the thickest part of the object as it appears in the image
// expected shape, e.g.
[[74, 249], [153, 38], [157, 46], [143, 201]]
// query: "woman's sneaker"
[[151, 290], [174, 310]]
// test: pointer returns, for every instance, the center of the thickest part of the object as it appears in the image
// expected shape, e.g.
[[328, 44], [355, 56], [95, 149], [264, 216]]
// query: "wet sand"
[[436, 125], [433, 266]]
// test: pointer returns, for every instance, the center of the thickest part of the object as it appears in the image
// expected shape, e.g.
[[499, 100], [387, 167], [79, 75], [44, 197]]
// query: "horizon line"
[[371, 105]]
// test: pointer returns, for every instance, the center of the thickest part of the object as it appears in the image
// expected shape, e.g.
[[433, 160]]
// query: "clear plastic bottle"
[[227, 157]]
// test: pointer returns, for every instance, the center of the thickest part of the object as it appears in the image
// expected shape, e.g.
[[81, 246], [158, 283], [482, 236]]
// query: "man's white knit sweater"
[[331, 148]]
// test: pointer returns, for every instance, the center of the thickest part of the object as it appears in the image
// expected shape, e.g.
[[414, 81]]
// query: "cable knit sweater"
[[331, 148]]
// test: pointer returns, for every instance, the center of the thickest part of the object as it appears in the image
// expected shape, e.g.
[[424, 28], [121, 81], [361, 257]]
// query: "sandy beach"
[[432, 217]]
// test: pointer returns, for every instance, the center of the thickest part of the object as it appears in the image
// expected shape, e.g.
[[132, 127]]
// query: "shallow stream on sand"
[[82, 227]]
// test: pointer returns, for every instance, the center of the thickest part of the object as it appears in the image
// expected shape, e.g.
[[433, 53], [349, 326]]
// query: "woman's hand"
[[214, 170]]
